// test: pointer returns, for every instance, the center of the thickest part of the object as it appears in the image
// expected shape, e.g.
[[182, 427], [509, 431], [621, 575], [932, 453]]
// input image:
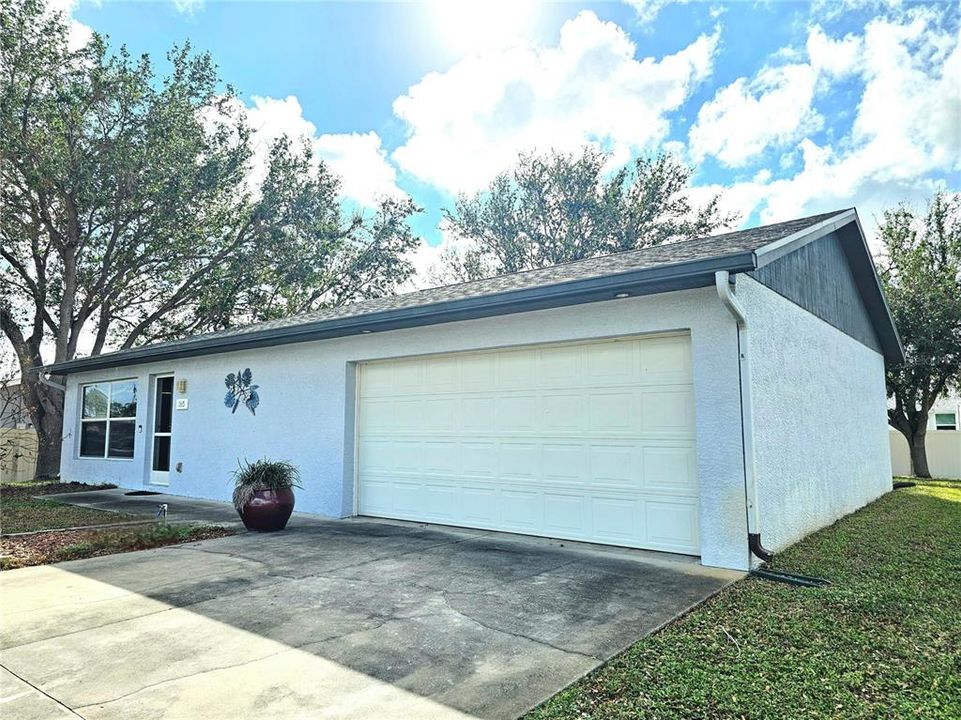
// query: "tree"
[[128, 215], [921, 275], [561, 207]]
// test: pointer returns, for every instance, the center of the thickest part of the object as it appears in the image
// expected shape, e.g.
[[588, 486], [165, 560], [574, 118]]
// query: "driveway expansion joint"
[[521, 636], [45, 694]]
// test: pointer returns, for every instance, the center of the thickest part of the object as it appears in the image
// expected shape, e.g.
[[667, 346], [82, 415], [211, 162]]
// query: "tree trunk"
[[45, 405], [919, 455]]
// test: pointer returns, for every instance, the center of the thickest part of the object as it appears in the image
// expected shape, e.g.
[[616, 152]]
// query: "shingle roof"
[[681, 254]]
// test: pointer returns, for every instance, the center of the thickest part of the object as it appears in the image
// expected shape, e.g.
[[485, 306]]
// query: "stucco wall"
[[820, 424], [307, 402]]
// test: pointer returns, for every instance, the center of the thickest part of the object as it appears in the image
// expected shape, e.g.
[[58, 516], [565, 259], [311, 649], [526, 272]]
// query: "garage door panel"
[[670, 468], [559, 367], [518, 461], [516, 413], [612, 363], [439, 414], [671, 524], [444, 373], [590, 441], [408, 497], [441, 458], [666, 360], [612, 412], [478, 459], [617, 465], [378, 416], [476, 414], [562, 413], [567, 463], [477, 371], [515, 369], [615, 519], [520, 509], [667, 411], [564, 514], [376, 495], [480, 505]]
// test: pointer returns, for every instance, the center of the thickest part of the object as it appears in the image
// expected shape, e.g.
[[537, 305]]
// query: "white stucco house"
[[719, 397]]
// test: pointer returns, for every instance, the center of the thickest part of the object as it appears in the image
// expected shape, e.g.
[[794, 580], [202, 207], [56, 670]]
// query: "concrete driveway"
[[330, 619]]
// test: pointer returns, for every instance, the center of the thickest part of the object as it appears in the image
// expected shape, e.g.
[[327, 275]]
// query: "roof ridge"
[[728, 244]]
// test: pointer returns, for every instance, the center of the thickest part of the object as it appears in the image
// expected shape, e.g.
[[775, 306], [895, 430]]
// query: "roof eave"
[[645, 281]]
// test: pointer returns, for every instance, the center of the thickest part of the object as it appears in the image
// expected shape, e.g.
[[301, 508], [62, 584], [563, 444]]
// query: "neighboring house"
[[611, 400], [942, 443], [18, 439]]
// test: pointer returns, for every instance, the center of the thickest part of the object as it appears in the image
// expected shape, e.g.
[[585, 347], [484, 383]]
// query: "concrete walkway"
[[329, 619], [179, 508]]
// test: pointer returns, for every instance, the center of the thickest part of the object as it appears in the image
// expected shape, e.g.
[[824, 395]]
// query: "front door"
[[162, 425]]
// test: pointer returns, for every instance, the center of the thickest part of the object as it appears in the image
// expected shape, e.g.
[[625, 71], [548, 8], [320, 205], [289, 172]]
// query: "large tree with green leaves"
[[561, 207], [921, 274], [128, 215]]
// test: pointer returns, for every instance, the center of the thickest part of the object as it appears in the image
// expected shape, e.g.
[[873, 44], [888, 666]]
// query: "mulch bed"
[[60, 545]]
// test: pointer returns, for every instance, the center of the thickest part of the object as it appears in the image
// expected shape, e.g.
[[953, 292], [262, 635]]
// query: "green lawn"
[[59, 545], [25, 515], [21, 512], [883, 641]]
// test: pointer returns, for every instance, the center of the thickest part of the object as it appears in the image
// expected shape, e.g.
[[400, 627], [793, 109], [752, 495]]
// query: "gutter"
[[639, 281], [723, 281]]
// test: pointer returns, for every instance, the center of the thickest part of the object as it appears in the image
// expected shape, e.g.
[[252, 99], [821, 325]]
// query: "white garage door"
[[588, 441]]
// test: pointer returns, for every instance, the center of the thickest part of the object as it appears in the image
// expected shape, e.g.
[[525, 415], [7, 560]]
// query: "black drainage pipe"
[[790, 578], [754, 543]]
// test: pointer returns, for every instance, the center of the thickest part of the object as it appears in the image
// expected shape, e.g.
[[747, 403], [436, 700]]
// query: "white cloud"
[[357, 158], [835, 58], [361, 163], [746, 117], [906, 131], [648, 10], [468, 123], [188, 7], [78, 34]]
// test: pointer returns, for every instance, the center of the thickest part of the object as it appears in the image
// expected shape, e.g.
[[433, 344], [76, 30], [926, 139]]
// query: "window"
[[107, 419], [946, 421]]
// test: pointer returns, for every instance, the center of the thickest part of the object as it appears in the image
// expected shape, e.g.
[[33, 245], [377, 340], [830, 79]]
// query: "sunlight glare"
[[469, 26]]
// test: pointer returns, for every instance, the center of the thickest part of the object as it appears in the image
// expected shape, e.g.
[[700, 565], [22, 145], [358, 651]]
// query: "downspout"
[[723, 282], [45, 380]]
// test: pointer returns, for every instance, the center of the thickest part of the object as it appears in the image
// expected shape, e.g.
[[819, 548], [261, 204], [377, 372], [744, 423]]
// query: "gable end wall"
[[818, 278], [820, 418]]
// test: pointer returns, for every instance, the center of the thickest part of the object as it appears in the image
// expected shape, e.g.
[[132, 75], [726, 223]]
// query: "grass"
[[883, 641], [58, 546], [21, 512]]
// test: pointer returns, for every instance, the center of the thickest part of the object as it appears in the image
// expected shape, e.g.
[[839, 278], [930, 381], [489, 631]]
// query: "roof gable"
[[818, 278]]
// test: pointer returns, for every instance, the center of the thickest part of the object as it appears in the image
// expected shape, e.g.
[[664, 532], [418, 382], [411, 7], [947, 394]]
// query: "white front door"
[[163, 404], [589, 441]]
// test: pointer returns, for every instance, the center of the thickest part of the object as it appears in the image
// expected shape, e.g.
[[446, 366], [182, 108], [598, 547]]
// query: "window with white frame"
[[945, 421], [107, 419]]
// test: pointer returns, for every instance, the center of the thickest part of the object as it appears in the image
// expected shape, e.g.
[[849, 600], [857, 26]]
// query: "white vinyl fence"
[[944, 453]]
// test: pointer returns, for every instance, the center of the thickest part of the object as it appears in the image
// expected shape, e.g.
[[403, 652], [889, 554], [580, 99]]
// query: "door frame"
[[153, 477]]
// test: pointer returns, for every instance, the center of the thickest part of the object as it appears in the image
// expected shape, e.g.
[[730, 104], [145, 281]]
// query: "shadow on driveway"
[[332, 618]]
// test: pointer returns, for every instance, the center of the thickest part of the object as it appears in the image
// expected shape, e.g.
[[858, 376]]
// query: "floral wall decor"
[[240, 389]]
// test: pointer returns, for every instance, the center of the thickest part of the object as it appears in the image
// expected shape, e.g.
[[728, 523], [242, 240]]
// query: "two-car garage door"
[[587, 441]]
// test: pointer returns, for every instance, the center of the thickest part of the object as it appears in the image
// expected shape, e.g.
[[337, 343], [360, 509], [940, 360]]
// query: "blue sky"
[[786, 108]]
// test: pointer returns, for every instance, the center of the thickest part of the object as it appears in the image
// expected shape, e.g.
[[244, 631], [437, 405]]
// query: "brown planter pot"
[[268, 510]]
